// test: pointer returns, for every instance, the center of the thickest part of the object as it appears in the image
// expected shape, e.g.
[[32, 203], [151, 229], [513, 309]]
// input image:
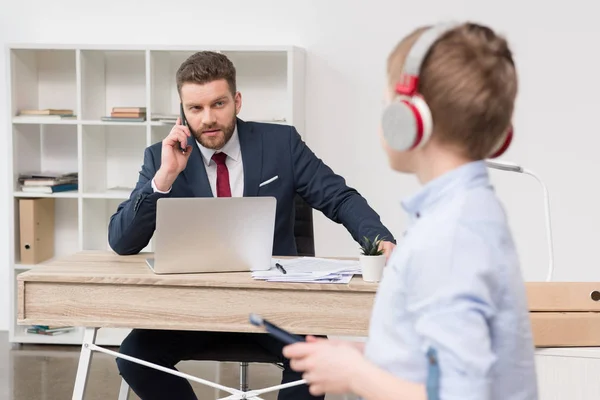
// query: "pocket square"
[[269, 181]]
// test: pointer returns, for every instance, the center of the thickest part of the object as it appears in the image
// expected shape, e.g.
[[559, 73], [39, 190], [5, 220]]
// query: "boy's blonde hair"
[[469, 82]]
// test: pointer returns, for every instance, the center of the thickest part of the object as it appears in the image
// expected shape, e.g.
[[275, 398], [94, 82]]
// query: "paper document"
[[310, 269]]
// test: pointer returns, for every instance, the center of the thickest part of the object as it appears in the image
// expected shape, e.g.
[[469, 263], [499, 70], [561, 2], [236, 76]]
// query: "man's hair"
[[469, 82], [206, 66]]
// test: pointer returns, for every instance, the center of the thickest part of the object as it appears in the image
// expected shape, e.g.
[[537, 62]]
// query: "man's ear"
[[238, 102]]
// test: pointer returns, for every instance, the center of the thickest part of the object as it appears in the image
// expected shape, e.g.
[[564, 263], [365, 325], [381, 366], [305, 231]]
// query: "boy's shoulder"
[[466, 236], [478, 208]]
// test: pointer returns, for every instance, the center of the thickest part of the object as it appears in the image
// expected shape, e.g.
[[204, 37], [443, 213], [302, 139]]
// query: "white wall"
[[347, 47]]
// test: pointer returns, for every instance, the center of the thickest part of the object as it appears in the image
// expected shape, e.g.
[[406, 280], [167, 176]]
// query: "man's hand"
[[328, 366], [173, 160], [388, 248]]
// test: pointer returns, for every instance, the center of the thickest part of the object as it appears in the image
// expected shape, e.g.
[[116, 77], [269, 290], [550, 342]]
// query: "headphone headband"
[[416, 55]]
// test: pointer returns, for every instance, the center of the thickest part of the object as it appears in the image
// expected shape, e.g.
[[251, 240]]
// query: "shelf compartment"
[[111, 79], [96, 216], [44, 148], [112, 158], [43, 79], [66, 229]]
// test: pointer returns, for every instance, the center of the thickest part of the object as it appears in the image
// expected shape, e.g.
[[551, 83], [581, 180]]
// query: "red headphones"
[[406, 122]]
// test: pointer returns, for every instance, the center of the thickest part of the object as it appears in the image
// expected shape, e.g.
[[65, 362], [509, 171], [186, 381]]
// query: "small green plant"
[[371, 247]]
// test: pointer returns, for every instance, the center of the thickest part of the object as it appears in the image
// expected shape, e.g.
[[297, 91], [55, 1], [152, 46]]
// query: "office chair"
[[303, 228], [305, 244]]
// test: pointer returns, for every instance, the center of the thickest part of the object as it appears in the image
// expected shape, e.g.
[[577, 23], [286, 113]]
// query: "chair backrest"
[[303, 228]]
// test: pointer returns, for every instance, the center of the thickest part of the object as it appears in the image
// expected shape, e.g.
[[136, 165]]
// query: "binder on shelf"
[[36, 220]]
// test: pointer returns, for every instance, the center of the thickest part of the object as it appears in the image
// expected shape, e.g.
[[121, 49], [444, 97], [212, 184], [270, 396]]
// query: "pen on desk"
[[280, 267]]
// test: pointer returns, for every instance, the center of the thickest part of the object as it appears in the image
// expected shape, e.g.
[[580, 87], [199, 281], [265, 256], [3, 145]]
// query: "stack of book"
[[129, 114], [49, 182], [49, 330], [45, 115]]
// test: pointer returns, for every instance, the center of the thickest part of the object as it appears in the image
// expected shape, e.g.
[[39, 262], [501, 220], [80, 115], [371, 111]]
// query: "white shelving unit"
[[91, 80]]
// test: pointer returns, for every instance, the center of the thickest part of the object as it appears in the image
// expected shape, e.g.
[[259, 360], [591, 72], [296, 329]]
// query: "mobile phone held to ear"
[[274, 330], [183, 122], [182, 115]]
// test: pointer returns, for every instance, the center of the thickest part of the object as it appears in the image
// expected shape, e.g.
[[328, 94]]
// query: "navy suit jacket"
[[267, 150]]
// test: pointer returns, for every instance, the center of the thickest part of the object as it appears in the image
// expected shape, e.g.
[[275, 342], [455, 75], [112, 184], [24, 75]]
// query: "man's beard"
[[215, 142]]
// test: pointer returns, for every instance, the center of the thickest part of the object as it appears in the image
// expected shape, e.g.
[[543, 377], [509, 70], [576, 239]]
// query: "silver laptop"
[[213, 234]]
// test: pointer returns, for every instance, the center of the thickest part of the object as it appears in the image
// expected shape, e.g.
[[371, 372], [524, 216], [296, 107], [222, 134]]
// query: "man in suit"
[[214, 153]]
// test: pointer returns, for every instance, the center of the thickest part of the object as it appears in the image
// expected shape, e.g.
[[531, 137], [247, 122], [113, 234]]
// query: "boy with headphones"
[[450, 319]]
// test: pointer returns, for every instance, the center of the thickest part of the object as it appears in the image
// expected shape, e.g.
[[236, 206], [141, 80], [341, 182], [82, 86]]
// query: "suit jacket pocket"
[[269, 185]]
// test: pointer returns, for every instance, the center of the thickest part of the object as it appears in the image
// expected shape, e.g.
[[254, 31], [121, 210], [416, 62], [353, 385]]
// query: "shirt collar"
[[469, 175], [231, 148]]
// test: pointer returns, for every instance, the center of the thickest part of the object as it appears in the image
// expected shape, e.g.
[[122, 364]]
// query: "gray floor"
[[30, 372]]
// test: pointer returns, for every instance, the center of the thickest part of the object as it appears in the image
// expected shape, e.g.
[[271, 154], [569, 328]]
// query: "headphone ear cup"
[[402, 125], [424, 114], [503, 144]]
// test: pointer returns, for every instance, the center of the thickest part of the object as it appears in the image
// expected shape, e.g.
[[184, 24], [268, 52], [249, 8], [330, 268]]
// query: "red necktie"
[[223, 188]]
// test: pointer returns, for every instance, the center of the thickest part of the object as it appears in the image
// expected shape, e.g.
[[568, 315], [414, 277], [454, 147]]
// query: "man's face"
[[210, 110]]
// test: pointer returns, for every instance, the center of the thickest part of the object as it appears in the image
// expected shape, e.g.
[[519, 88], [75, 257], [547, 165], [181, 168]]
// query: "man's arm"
[[327, 192], [131, 227]]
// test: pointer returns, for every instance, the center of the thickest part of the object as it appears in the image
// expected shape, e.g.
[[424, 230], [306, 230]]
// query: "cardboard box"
[[564, 314]]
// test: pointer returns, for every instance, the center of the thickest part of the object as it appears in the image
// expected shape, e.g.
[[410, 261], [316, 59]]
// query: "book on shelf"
[[67, 187], [48, 178], [49, 330], [123, 119], [45, 114], [131, 114], [47, 111], [139, 110], [48, 182]]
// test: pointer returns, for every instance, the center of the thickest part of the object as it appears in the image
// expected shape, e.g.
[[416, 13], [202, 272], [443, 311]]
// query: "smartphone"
[[274, 330], [183, 122], [182, 115]]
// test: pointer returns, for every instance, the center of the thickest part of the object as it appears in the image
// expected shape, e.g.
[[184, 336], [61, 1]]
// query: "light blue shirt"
[[453, 288]]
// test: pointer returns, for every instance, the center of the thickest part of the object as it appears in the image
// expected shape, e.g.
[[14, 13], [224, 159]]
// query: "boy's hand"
[[328, 366], [360, 346], [388, 248]]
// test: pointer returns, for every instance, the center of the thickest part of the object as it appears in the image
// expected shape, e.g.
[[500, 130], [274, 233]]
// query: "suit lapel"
[[251, 147], [195, 172]]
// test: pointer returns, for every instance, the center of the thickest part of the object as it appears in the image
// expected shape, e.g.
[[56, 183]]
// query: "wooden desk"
[[103, 290]]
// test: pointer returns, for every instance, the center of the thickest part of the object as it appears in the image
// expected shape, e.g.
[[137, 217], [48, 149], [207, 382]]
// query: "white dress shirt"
[[233, 162]]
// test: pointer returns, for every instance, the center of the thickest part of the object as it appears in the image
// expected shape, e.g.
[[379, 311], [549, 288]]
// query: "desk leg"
[[123, 390], [85, 358]]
